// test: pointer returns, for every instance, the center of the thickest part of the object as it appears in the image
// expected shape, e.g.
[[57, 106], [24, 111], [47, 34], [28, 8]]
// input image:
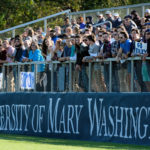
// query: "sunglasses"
[[100, 35], [85, 40], [121, 37], [115, 34]]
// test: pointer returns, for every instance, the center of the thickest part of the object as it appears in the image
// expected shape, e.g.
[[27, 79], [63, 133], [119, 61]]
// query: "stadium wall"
[[104, 117]]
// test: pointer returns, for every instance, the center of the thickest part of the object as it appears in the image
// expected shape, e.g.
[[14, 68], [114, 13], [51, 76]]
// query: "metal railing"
[[35, 21], [127, 7], [70, 74], [103, 23], [84, 13]]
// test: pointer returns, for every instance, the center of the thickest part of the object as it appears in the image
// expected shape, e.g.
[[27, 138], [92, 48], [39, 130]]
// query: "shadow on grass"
[[75, 143]]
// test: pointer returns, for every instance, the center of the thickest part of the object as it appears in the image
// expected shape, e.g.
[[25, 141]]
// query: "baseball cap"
[[147, 11], [107, 12], [116, 14]]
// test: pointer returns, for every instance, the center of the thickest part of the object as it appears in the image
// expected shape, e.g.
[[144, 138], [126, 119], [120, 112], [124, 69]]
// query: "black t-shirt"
[[3, 55]]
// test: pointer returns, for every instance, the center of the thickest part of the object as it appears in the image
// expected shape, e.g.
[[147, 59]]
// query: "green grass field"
[[17, 142]]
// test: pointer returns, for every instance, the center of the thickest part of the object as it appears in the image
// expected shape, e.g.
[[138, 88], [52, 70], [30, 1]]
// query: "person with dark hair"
[[117, 20], [82, 51], [137, 63], [147, 15], [115, 66], [136, 18], [109, 17], [2, 57], [100, 17], [129, 24], [123, 53], [89, 21], [105, 52], [66, 24], [81, 22]]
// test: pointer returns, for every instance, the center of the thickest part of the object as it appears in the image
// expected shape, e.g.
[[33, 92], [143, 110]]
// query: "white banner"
[[140, 48], [1, 80], [27, 80]]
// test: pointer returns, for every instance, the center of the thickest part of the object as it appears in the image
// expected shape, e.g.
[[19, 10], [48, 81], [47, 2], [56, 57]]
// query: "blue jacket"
[[37, 56]]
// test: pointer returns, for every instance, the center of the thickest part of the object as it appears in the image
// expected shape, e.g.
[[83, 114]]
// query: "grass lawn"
[[17, 142]]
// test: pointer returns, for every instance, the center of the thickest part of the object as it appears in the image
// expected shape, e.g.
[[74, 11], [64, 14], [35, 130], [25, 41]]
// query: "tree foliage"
[[14, 12]]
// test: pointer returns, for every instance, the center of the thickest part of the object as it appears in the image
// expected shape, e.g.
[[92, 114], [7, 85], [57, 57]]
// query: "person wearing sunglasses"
[[123, 53]]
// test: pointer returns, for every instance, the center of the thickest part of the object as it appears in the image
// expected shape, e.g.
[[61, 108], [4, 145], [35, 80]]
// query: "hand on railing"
[[78, 68]]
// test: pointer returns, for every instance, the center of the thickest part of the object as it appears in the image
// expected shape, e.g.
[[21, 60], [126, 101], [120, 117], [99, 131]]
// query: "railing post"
[[132, 75], [84, 17], [52, 78], [13, 33], [70, 17], [143, 10], [90, 76], [127, 11], [18, 86], [3, 79], [70, 77], [110, 76], [45, 25], [35, 76]]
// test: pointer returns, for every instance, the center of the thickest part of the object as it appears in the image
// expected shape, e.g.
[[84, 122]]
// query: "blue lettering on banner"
[[140, 48], [27, 80], [113, 117], [1, 80]]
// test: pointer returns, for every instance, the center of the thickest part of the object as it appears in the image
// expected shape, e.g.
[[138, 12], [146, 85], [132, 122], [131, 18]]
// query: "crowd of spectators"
[[79, 41]]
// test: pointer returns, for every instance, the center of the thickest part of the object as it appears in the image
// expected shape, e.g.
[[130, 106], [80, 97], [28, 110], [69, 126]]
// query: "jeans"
[[83, 79], [106, 75], [115, 77]]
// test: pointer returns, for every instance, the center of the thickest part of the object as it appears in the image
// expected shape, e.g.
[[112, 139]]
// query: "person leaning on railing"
[[2, 56], [81, 66], [35, 54], [135, 34], [123, 53], [105, 52]]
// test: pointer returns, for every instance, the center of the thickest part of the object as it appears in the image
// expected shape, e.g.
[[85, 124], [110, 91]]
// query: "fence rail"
[[71, 72], [35, 21], [142, 5]]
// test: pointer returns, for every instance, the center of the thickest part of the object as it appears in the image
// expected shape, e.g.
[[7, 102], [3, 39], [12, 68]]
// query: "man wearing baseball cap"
[[117, 20], [109, 18]]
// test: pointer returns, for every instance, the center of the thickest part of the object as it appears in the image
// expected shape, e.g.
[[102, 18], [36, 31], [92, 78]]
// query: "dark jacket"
[[18, 55], [82, 51]]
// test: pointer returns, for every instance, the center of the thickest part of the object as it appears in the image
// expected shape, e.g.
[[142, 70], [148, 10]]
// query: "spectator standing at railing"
[[115, 46], [57, 31], [35, 54], [80, 21], [2, 56], [40, 31], [69, 31], [137, 63], [105, 52], [89, 21], [53, 36], [147, 15], [10, 55], [146, 65], [136, 18], [82, 51], [124, 51], [100, 17], [129, 24], [17, 57], [68, 51], [117, 20], [109, 17], [66, 24], [19, 47]]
